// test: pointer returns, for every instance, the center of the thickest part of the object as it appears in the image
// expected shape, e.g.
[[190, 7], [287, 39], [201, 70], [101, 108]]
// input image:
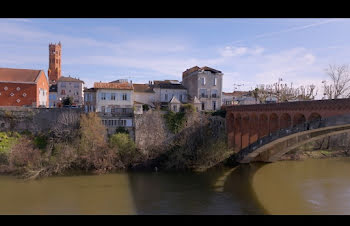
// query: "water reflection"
[[314, 186]]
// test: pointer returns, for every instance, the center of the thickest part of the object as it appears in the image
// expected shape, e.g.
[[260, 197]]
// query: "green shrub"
[[189, 108], [220, 112], [125, 147], [121, 130], [175, 121], [7, 140], [40, 141], [145, 107]]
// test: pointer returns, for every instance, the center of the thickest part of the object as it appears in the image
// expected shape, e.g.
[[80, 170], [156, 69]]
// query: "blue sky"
[[247, 51]]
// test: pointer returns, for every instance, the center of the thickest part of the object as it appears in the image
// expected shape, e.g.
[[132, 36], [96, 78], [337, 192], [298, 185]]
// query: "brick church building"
[[23, 87]]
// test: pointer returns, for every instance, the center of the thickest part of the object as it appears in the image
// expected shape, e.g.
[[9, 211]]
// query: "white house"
[[114, 102]]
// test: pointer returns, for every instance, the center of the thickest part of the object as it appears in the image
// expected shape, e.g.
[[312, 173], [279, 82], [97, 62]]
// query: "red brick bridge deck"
[[246, 124]]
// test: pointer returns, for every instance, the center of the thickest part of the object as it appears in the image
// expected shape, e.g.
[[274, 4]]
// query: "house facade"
[[114, 103], [167, 89], [205, 83], [23, 87], [144, 94], [90, 100], [70, 87], [53, 98]]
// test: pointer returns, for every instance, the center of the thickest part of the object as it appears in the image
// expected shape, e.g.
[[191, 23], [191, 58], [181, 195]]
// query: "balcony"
[[203, 95]]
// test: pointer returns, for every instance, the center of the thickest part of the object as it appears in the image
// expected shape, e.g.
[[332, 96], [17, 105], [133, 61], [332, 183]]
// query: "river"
[[319, 186]]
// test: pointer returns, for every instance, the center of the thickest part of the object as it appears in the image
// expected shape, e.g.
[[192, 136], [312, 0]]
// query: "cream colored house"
[[70, 87]]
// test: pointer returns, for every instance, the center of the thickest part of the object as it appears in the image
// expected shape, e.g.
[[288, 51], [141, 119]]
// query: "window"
[[214, 105], [112, 96], [180, 97], [166, 97], [63, 85], [63, 92], [18, 89], [24, 94], [124, 110], [124, 96], [76, 85], [5, 88], [18, 100], [103, 96], [103, 109], [203, 93], [214, 93], [203, 106], [12, 94], [215, 81], [203, 81]]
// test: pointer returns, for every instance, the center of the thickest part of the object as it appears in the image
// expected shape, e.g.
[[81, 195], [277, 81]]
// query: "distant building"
[[245, 100], [53, 98], [90, 100], [174, 104], [70, 87], [144, 94], [114, 103], [206, 84], [231, 98], [23, 87], [167, 89]]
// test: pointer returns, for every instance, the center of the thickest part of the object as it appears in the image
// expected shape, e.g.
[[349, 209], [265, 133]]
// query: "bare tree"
[[282, 92], [340, 82]]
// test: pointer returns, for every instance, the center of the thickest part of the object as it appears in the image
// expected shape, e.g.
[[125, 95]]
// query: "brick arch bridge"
[[248, 124]]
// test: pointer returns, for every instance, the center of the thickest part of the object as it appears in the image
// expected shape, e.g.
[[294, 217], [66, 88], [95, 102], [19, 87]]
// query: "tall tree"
[[340, 82]]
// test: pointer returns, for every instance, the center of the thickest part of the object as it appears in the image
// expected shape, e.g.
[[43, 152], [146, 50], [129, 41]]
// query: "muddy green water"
[[291, 187]]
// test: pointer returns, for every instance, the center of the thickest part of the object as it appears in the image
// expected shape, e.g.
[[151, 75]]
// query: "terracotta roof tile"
[[69, 79], [144, 88], [107, 85], [18, 75]]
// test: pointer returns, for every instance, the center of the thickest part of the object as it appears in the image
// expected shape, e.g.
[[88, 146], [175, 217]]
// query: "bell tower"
[[54, 72]]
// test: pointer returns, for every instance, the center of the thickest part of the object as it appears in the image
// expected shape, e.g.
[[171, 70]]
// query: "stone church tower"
[[54, 72]]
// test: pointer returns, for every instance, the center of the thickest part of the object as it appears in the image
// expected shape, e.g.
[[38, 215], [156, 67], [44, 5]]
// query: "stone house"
[[23, 87], [70, 87], [174, 104], [167, 89], [89, 100], [205, 83], [144, 94], [115, 104]]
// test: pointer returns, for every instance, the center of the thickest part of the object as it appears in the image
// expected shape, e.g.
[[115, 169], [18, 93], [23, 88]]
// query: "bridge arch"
[[230, 129], [273, 123], [254, 128], [285, 121], [237, 131], [263, 125], [245, 130], [298, 119], [314, 117]]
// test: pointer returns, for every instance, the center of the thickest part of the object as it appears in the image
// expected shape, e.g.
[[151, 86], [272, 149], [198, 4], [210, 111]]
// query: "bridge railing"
[[311, 125]]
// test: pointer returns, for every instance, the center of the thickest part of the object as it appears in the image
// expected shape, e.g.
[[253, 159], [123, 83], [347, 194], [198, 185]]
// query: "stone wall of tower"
[[54, 71]]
